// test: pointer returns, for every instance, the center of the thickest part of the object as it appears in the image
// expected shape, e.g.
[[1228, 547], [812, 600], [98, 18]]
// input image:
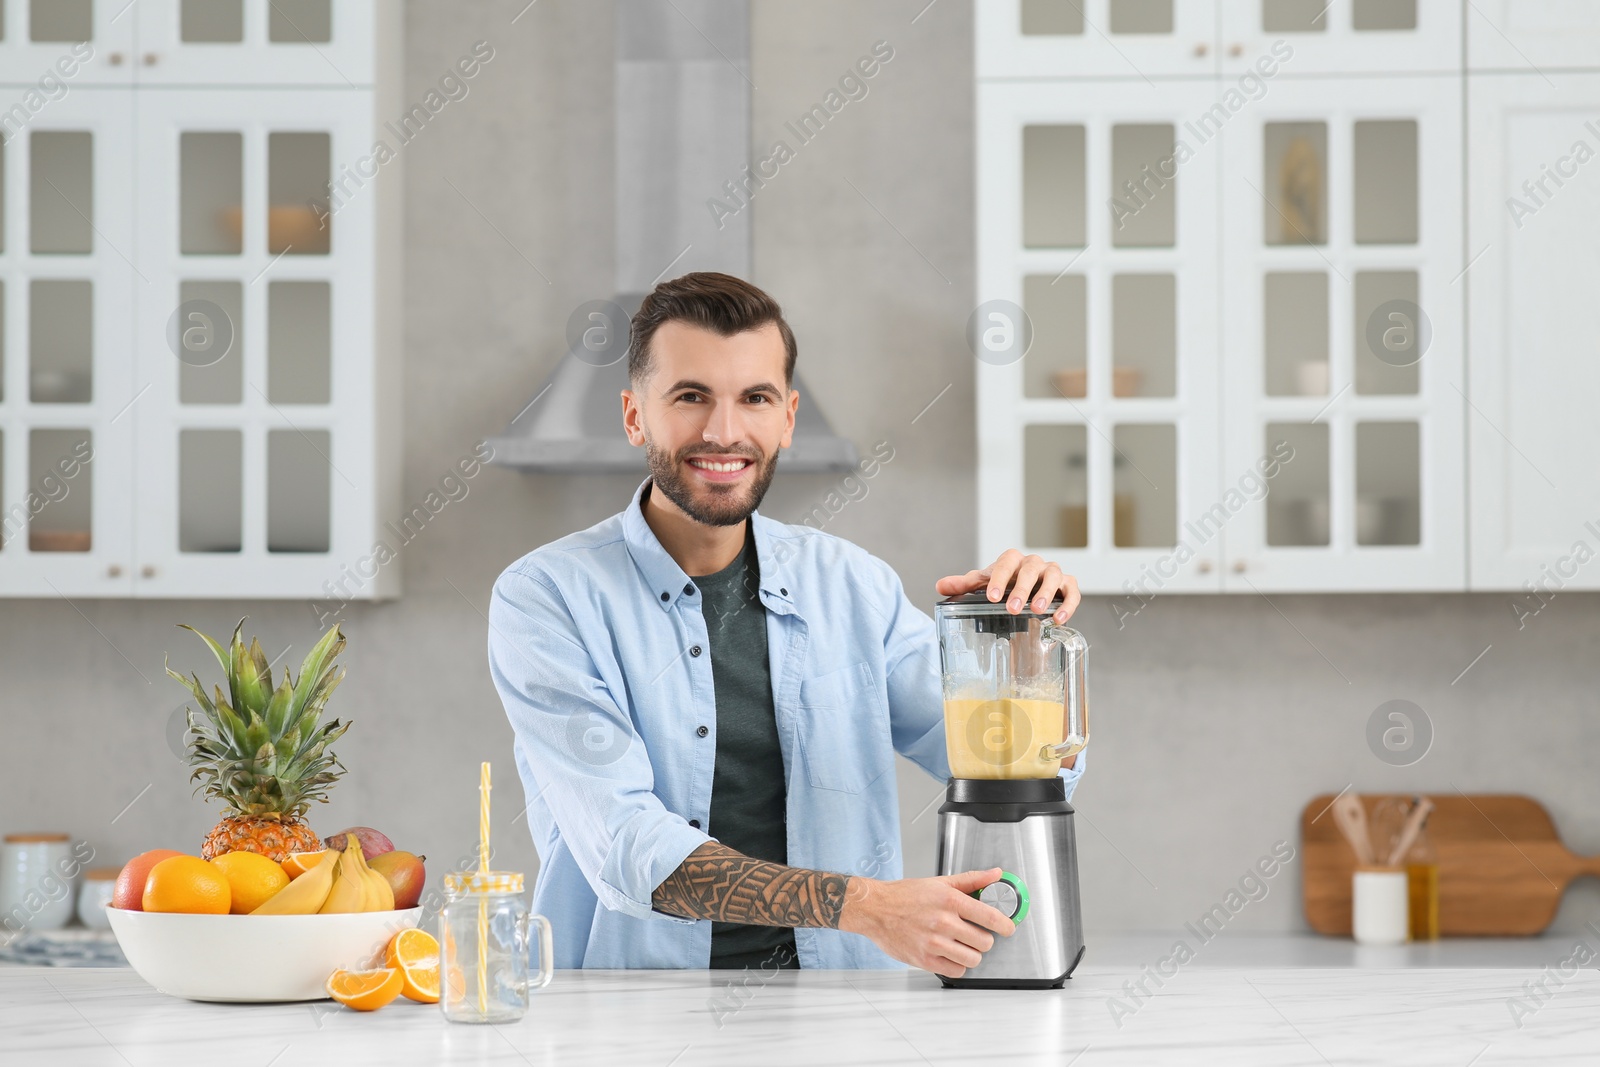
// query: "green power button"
[[1008, 895]]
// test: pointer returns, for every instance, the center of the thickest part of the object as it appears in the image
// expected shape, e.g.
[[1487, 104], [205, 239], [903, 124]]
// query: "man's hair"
[[720, 303]]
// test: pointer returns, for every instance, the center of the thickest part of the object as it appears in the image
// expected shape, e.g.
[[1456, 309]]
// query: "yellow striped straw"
[[483, 903]]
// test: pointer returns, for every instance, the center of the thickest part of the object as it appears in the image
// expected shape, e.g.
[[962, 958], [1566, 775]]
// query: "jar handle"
[[546, 951]]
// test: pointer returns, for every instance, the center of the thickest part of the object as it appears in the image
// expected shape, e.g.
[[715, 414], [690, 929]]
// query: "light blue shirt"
[[598, 647]]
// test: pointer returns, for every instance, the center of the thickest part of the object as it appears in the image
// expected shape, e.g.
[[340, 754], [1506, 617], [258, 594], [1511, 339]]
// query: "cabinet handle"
[[1238, 566], [115, 59], [1201, 49], [1205, 566], [150, 59], [114, 571], [1236, 50], [147, 571]]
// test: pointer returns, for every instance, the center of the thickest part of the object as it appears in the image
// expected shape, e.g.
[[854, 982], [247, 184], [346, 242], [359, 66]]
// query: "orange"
[[129, 892], [299, 863], [415, 954], [365, 990], [253, 879], [189, 884]]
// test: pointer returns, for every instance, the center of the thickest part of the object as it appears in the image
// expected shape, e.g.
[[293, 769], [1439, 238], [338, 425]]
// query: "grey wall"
[[1215, 719]]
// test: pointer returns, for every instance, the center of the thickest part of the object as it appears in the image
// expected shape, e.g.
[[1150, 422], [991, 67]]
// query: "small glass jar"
[[484, 938]]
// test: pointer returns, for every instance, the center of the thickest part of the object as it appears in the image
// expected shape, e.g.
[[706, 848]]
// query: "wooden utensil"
[[1502, 866], [1351, 818], [1409, 832]]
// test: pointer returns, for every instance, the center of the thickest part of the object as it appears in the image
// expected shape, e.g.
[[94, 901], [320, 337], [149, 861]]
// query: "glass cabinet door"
[[1342, 338], [67, 396], [1136, 39], [255, 342], [1097, 232], [49, 46], [256, 42], [1340, 37]]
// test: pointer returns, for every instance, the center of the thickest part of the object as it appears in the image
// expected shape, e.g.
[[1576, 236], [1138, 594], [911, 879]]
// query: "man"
[[707, 702]]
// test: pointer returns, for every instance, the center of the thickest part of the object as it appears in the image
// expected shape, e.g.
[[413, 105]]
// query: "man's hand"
[[1023, 578], [932, 923]]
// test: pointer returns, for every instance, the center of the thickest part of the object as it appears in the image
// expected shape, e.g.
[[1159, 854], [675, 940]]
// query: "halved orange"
[[365, 990], [415, 954], [298, 863]]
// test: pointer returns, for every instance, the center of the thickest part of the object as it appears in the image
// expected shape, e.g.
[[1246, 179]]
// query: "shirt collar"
[[668, 581]]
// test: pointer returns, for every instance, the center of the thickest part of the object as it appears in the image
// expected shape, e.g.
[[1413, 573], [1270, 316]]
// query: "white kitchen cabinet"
[[1341, 202], [1534, 235], [1342, 36], [1149, 40], [67, 283], [1096, 444], [1138, 39], [220, 326], [56, 45], [262, 455], [1532, 36], [257, 42]]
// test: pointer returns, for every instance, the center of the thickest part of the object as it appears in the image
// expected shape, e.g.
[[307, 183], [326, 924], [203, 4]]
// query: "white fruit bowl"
[[252, 958]]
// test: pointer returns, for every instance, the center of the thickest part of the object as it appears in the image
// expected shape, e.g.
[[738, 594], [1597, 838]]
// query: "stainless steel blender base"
[[1037, 843]]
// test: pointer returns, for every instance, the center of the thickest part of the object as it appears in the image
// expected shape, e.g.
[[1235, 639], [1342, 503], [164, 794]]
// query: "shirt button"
[[695, 823], [666, 596], [688, 590], [695, 651], [782, 590], [701, 732]]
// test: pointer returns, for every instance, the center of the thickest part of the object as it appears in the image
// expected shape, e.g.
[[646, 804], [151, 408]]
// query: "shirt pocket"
[[844, 729]]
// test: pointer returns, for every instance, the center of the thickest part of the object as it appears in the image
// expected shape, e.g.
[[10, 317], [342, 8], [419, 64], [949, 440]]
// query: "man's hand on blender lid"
[[1031, 579]]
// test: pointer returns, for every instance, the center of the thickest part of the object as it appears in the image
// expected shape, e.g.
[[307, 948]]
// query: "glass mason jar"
[[484, 938]]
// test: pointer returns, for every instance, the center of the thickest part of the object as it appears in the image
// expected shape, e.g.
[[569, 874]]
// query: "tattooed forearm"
[[716, 882]]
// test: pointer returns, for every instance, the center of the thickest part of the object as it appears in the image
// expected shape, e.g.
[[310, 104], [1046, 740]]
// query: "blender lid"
[[998, 605]]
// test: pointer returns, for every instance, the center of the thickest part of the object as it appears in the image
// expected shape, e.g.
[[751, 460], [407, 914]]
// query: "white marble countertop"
[[1239, 1001]]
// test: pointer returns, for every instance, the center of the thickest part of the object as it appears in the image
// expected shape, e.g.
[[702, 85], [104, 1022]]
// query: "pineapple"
[[262, 751]]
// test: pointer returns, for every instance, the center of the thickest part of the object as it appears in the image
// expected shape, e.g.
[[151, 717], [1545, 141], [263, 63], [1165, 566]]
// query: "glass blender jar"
[[1015, 689], [1015, 705]]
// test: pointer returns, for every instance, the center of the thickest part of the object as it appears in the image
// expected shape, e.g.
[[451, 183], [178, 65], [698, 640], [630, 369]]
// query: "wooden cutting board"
[[1502, 867]]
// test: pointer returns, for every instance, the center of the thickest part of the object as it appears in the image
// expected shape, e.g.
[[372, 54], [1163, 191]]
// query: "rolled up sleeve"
[[577, 749]]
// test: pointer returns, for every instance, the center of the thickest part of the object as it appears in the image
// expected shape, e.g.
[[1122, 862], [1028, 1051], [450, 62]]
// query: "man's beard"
[[725, 507]]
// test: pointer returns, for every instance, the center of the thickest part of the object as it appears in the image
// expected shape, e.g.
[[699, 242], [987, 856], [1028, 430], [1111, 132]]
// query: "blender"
[[1015, 705]]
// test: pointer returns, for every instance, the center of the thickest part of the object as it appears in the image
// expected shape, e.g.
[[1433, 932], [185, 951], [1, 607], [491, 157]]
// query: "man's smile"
[[721, 468]]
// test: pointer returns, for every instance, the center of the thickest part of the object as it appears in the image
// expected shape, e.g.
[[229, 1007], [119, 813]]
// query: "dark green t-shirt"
[[747, 788]]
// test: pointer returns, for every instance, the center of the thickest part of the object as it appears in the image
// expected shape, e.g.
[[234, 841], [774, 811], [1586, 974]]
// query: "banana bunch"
[[340, 882]]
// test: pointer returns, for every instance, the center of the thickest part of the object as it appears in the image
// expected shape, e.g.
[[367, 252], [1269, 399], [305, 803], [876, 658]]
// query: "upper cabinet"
[[1095, 38], [256, 42], [1155, 39], [1342, 334], [1532, 36], [1534, 235], [198, 376], [1102, 438], [1274, 332]]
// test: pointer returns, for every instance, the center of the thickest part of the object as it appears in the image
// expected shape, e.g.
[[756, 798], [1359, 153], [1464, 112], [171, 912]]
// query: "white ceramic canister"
[[94, 893], [1380, 907], [37, 882]]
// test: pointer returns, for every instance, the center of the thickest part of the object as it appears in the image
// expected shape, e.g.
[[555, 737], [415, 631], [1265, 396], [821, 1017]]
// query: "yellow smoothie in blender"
[[1004, 738]]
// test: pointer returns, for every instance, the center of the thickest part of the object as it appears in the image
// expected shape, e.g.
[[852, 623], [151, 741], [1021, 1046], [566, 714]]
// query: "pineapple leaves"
[[263, 751], [221, 654], [249, 685]]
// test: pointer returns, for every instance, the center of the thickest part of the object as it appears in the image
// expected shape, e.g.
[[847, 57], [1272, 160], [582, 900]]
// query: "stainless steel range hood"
[[682, 135]]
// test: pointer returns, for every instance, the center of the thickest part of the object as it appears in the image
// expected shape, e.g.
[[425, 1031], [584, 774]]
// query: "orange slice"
[[299, 863], [415, 954], [365, 990]]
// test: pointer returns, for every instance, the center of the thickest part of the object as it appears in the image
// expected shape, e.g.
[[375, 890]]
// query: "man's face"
[[712, 417]]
